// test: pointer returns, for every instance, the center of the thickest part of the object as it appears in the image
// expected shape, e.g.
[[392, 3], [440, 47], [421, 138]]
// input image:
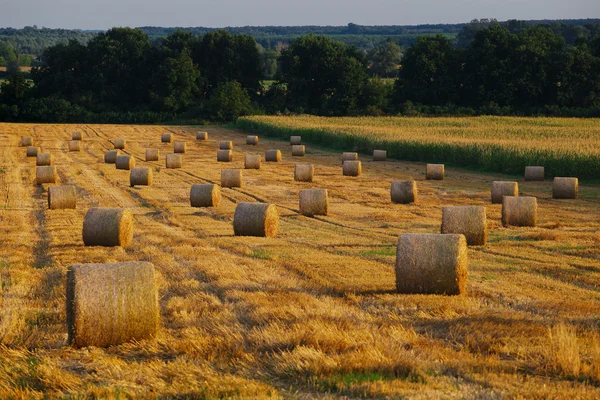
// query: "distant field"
[[23, 69]]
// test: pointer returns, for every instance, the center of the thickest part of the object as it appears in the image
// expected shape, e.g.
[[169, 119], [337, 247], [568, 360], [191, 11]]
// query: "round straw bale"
[[314, 202], [46, 174], [503, 188], [519, 211], [44, 159], [152, 154], [403, 192], [32, 151], [76, 136], [174, 161], [352, 168], [431, 264], [256, 219], [140, 176], [201, 135], [252, 161], [295, 140], [205, 195], [179, 147], [565, 188], [348, 156], [304, 172], [225, 145], [110, 304], [74, 145], [108, 227], [110, 157], [62, 197], [466, 220], [125, 162], [379, 155], [231, 178], [434, 172], [120, 143], [298, 150], [252, 140], [166, 138], [224, 155], [273, 155], [26, 141], [534, 173]]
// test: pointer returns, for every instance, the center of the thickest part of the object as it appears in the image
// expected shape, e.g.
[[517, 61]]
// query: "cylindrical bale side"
[[166, 138], [76, 136], [152, 155], [379, 155], [434, 172], [295, 140], [403, 192], [349, 156], [431, 264], [120, 143], [352, 168], [466, 220], [46, 174], [125, 161], [252, 140], [273, 155], [224, 155], [140, 176], [314, 202], [225, 145], [304, 172], [174, 161], [205, 195], [201, 135], [111, 304], [108, 227], [252, 161], [179, 147], [298, 150], [32, 151], [503, 188], [62, 197], [534, 173], [519, 211], [74, 145], [231, 178], [256, 219], [44, 159], [565, 188], [110, 157], [26, 141]]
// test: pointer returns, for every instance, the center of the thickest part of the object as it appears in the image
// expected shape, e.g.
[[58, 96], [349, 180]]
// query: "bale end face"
[[469, 221], [252, 161], [140, 176], [252, 140], [179, 147], [503, 188], [304, 172], [174, 161], [110, 157], [314, 202], [231, 178], [379, 155], [201, 135], [298, 150], [534, 173], [224, 155], [62, 197], [295, 140], [403, 192], [125, 162], [74, 145], [225, 145], [152, 154], [120, 144], [519, 211], [108, 227], [32, 151], [44, 159], [256, 219], [273, 155], [434, 172], [352, 168], [205, 195], [46, 174], [565, 188], [166, 138]]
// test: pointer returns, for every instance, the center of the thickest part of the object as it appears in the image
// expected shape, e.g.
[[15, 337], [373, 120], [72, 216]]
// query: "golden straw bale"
[[44, 159], [108, 227], [295, 140], [519, 211], [205, 195], [431, 264], [304, 172], [273, 155], [225, 145], [379, 155], [231, 178], [62, 197], [74, 145], [466, 220], [314, 202], [352, 168], [434, 172], [256, 219], [140, 176], [348, 156], [503, 188], [166, 138], [46, 174], [111, 304], [110, 157], [201, 135], [152, 154], [252, 140], [76, 136], [534, 173], [120, 143], [125, 162], [224, 155], [174, 161], [26, 141], [32, 151], [565, 188], [252, 161], [403, 192], [179, 147], [298, 150]]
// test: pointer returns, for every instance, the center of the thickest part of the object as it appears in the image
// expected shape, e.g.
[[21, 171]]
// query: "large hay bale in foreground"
[[403, 192], [140, 176], [224, 155], [152, 154], [166, 138], [352, 168], [74, 145], [434, 172], [110, 157], [304, 172], [252, 161], [32, 151], [125, 162], [256, 219], [110, 304], [314, 202], [205, 195], [179, 147], [431, 264], [44, 159], [76, 136], [273, 155], [231, 178], [519, 211], [62, 197], [295, 140], [252, 140], [120, 143], [298, 150], [466, 220], [46, 174], [565, 188], [201, 135], [379, 155], [534, 173], [349, 156], [108, 227], [26, 141], [174, 161], [503, 188], [225, 145]]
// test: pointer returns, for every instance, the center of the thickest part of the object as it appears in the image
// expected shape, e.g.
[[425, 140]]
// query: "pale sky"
[[103, 14]]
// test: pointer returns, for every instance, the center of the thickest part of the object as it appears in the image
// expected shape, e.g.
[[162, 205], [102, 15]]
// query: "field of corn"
[[312, 313]]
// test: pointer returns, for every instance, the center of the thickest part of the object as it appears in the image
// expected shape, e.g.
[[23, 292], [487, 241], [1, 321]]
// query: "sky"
[[104, 14]]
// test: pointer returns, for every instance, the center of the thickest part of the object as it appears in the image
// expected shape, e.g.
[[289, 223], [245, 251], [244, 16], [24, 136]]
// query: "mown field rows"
[[311, 313]]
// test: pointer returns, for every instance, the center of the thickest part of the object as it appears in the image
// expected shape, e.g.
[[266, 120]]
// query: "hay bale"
[[74, 145], [273, 155], [431, 264], [256, 219], [252, 140], [225, 145], [534, 173], [32, 151], [403, 192], [152, 154], [62, 197], [108, 227], [379, 155], [224, 155], [314, 202], [26, 141], [76, 136], [298, 150], [174, 161], [110, 304], [125, 161], [140, 176], [466, 220], [44, 159], [166, 138], [565, 188], [110, 157], [434, 172], [201, 135], [231, 178], [120, 144], [348, 156], [46, 174], [295, 140], [503, 188], [519, 211], [252, 161], [179, 147], [304, 172], [205, 195], [352, 168]]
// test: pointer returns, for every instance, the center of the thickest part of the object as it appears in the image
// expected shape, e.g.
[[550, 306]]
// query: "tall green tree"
[[385, 59]]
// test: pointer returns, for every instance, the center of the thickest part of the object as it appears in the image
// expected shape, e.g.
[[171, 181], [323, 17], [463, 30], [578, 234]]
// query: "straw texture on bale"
[[298, 150], [534, 173], [140, 176], [431, 264], [62, 197], [273, 155], [379, 155], [32, 151], [111, 304], [120, 143], [347, 156], [26, 141], [125, 161], [76, 136], [403, 192], [295, 140], [174, 161], [74, 145], [252, 161], [256, 219], [314, 202], [46, 174], [503, 188], [225, 145], [110, 157], [224, 155], [466, 220], [205, 195], [304, 172], [352, 168], [252, 140], [231, 178], [565, 188], [519, 211], [179, 147], [152, 154], [201, 135], [166, 138], [434, 172], [108, 227], [44, 159]]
